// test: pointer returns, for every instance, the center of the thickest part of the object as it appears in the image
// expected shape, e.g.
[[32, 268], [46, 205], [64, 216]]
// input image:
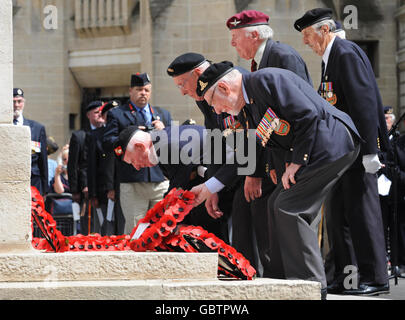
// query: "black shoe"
[[324, 293], [369, 290], [336, 288]]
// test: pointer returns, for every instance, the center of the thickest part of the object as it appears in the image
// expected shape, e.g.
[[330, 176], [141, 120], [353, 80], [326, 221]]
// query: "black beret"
[[93, 105], [120, 146], [109, 105], [211, 75], [184, 63], [311, 17], [388, 110], [139, 80], [17, 92]]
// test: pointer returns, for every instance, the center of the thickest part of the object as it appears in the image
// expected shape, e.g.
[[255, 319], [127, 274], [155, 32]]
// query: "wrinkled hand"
[[201, 193], [252, 188], [211, 204], [273, 176], [158, 125], [111, 195], [289, 175]]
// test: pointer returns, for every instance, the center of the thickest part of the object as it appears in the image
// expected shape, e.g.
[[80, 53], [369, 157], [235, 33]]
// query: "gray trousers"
[[294, 250]]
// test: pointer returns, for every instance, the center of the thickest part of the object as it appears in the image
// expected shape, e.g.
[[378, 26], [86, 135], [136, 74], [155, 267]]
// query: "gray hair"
[[329, 22], [265, 31]]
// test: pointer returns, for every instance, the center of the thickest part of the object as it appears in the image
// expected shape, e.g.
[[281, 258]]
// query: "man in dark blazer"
[[348, 83], [39, 156], [140, 189], [179, 152], [102, 178], [280, 108]]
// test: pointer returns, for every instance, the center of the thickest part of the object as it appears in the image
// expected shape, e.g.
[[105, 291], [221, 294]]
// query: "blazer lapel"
[[266, 54]]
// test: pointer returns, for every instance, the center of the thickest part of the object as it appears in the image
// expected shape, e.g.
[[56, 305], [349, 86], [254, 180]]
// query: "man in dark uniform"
[[101, 175], [39, 157], [139, 189], [283, 109], [252, 38], [393, 170], [179, 152], [349, 84]]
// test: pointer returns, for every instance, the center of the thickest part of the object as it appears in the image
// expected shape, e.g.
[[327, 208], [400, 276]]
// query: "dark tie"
[[253, 66], [15, 122]]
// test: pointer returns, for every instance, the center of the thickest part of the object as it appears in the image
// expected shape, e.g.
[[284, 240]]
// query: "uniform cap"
[[247, 18], [184, 63], [311, 17], [211, 75], [139, 80]]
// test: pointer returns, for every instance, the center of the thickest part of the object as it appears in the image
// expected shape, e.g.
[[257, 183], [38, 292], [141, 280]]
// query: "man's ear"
[[138, 146], [224, 88]]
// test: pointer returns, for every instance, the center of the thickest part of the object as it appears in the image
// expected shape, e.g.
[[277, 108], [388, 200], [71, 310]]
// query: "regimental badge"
[[35, 147], [118, 151], [19, 92], [170, 70], [203, 85], [235, 22], [327, 92], [271, 123]]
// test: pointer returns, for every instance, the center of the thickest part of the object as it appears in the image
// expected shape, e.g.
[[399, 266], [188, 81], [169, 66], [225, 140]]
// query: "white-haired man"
[[348, 83]]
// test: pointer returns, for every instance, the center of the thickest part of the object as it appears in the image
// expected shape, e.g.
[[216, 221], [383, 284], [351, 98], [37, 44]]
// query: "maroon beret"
[[247, 18]]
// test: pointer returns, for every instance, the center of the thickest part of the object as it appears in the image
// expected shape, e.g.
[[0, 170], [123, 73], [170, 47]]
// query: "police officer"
[[349, 84], [281, 107], [39, 159], [139, 189]]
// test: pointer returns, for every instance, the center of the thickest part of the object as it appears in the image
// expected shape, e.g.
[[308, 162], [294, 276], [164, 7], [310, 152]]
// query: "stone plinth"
[[259, 289], [98, 266]]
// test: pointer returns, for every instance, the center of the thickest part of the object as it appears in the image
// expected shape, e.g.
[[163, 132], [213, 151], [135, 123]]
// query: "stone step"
[[98, 266], [258, 289]]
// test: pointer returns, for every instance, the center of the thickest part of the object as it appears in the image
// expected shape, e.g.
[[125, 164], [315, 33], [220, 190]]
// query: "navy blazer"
[[315, 127], [117, 120], [77, 164], [101, 165], [175, 152], [280, 55], [355, 91], [39, 156]]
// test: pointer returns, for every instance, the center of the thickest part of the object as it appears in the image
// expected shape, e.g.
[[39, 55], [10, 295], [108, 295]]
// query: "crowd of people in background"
[[331, 167]]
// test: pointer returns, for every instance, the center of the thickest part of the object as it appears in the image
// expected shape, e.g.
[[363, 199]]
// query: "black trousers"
[[294, 250], [355, 227], [249, 222]]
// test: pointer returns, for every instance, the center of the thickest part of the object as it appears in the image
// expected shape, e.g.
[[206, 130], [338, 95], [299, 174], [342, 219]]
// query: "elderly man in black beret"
[[280, 108], [349, 84]]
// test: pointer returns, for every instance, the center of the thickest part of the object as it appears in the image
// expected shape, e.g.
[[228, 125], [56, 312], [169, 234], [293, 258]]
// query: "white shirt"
[[20, 120], [326, 54], [259, 53]]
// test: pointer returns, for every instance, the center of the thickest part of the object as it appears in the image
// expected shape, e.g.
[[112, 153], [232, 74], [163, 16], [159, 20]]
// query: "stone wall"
[[157, 32]]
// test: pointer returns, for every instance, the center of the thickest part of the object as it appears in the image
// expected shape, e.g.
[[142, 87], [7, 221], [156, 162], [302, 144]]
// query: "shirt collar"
[[140, 109], [20, 120], [245, 96], [326, 54], [259, 53]]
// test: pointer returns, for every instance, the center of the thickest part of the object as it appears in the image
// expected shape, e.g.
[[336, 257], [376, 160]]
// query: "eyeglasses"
[[211, 103], [181, 86]]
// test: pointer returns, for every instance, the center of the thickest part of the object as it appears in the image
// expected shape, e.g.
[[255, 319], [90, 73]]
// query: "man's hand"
[[159, 125], [371, 163], [289, 175], [111, 195], [273, 176], [201, 193], [252, 188], [212, 206]]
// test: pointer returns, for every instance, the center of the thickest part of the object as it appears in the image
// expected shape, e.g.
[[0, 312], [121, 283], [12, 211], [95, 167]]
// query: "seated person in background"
[[51, 148], [60, 183]]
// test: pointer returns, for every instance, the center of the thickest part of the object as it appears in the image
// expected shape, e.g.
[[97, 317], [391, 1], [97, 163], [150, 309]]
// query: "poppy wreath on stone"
[[230, 262], [160, 221]]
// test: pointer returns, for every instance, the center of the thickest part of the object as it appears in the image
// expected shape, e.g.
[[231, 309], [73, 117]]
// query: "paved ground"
[[397, 292]]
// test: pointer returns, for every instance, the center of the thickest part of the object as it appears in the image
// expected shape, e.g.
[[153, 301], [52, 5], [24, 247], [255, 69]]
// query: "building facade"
[[67, 53]]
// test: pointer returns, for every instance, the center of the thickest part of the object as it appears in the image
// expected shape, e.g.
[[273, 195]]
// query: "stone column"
[[146, 38], [15, 156], [400, 15]]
